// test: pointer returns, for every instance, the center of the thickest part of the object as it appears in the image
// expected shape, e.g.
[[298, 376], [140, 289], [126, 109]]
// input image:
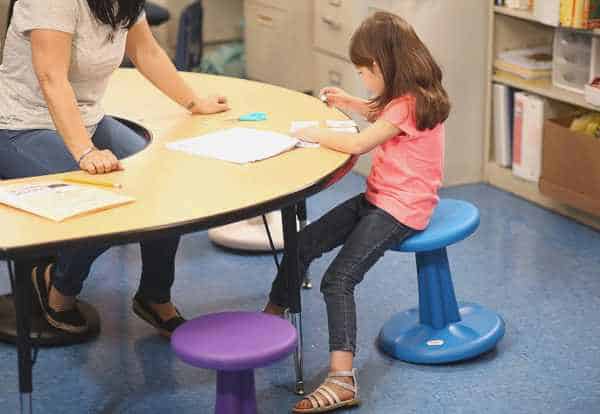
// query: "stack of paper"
[[58, 201], [532, 63], [238, 145]]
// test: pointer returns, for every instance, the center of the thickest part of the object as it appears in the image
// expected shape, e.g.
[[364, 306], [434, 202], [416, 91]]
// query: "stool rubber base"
[[42, 334], [404, 337]]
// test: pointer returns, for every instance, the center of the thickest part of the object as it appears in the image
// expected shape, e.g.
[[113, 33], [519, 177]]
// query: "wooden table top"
[[180, 192]]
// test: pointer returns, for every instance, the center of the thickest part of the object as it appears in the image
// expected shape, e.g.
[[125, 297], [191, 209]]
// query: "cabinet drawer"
[[334, 23], [333, 71], [265, 32]]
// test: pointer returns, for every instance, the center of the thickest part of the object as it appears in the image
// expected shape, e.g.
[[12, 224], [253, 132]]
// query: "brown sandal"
[[325, 399]]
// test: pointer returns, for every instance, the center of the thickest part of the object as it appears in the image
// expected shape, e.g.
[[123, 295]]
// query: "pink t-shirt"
[[407, 169]]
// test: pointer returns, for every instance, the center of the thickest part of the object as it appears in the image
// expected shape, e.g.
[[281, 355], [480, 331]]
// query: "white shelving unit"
[[510, 29]]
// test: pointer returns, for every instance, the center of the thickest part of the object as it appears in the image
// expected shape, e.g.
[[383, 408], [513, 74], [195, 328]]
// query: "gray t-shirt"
[[97, 50]]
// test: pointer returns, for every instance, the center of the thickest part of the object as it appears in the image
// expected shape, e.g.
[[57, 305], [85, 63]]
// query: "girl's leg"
[[373, 235], [319, 237]]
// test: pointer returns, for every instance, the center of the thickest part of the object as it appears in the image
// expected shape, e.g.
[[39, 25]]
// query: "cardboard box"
[[570, 166]]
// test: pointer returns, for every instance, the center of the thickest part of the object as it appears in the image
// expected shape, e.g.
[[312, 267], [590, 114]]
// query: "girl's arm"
[[355, 144], [51, 57], [152, 61], [341, 99]]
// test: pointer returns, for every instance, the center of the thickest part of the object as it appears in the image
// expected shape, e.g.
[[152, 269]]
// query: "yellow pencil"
[[92, 182]]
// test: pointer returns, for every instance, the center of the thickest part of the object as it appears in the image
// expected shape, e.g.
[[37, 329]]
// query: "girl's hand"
[[100, 162], [337, 97], [307, 135], [211, 105]]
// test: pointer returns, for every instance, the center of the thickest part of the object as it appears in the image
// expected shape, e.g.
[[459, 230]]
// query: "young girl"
[[408, 111]]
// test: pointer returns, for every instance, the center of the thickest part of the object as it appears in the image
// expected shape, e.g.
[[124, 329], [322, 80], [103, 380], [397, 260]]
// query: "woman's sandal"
[[325, 399], [143, 309]]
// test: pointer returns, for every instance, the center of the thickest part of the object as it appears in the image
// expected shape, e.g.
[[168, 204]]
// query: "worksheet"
[[58, 201]]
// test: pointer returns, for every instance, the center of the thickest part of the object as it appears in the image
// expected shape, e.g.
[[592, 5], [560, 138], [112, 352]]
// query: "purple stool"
[[233, 344]]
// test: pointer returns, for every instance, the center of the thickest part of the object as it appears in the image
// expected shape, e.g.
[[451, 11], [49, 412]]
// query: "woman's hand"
[[211, 105], [100, 162]]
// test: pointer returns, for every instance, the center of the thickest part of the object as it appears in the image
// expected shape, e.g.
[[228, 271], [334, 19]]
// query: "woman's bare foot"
[[165, 311], [273, 309], [56, 300]]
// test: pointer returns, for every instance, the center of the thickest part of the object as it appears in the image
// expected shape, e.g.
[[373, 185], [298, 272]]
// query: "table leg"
[[303, 222], [22, 292], [290, 237]]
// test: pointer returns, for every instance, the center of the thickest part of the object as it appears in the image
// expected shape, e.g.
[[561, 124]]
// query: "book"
[[503, 114], [57, 201]]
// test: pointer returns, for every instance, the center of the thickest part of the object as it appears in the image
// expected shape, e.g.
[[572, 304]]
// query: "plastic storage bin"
[[571, 68]]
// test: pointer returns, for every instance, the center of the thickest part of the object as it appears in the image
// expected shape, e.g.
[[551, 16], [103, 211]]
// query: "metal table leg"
[[303, 222], [290, 237], [23, 290]]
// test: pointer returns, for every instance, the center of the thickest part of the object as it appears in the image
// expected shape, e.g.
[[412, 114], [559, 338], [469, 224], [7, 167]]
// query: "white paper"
[[57, 200], [238, 145]]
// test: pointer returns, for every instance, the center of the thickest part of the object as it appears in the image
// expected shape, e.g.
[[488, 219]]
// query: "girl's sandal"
[[325, 399]]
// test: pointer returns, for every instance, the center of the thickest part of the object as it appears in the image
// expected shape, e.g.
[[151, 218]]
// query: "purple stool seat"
[[233, 344]]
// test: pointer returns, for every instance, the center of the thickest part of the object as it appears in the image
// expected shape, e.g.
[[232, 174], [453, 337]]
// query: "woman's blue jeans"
[[28, 153]]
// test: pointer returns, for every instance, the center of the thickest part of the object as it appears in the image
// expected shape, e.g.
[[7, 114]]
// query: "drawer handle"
[[264, 19], [331, 23], [335, 78], [335, 3]]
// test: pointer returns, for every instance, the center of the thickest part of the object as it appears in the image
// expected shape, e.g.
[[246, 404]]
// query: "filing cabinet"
[[279, 31]]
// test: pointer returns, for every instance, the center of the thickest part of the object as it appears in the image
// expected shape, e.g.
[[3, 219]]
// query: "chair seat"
[[155, 14], [234, 341], [452, 221]]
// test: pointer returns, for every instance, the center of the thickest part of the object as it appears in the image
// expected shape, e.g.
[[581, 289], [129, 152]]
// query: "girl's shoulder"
[[400, 112]]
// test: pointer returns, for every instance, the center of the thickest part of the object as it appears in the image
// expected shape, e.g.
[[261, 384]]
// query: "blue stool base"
[[404, 337]]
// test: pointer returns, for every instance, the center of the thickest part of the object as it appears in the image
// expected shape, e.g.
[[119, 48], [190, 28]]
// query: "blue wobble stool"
[[441, 330]]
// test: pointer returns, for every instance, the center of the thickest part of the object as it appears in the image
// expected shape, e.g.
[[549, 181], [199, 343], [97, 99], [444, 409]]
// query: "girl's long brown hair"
[[406, 64]]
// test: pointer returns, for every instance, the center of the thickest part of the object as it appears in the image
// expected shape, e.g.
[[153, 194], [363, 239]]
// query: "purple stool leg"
[[235, 392]]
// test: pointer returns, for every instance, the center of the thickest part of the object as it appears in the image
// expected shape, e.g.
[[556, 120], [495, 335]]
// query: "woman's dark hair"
[[406, 65], [119, 14]]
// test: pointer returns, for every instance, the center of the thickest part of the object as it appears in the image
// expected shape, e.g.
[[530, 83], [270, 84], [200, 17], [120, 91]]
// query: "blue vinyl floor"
[[540, 271]]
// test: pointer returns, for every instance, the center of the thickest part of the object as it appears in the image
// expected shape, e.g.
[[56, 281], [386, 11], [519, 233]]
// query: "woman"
[[58, 58]]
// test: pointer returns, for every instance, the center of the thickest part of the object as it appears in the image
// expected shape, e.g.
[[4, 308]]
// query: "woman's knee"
[[118, 138]]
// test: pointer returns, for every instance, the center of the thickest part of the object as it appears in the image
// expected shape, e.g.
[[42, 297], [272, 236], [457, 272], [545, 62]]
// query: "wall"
[[3, 17]]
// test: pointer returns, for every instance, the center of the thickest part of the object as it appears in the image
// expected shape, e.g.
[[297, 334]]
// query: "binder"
[[503, 114], [530, 111]]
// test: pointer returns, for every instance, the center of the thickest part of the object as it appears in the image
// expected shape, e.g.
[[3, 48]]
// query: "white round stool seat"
[[250, 234]]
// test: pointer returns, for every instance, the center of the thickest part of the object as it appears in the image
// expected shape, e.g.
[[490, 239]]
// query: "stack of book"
[[580, 14], [531, 63]]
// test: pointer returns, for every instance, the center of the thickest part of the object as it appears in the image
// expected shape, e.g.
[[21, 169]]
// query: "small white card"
[[340, 124], [298, 125], [347, 130]]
